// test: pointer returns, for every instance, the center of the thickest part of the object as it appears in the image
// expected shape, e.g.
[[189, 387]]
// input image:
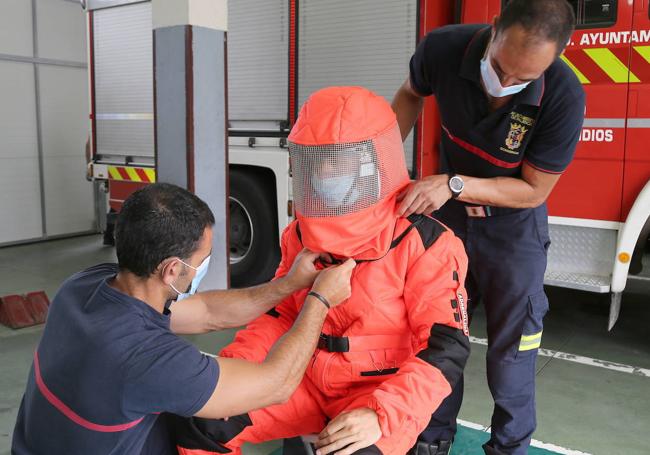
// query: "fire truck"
[[280, 51]]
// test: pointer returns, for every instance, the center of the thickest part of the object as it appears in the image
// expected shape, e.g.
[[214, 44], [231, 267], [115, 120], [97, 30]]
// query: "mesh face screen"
[[339, 179]]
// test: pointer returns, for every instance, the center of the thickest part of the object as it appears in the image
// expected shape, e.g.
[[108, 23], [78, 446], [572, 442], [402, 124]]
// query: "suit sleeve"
[[435, 297], [256, 340]]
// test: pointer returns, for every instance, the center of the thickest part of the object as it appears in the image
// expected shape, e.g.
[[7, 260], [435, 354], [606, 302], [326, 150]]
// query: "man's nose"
[[507, 81], [327, 169]]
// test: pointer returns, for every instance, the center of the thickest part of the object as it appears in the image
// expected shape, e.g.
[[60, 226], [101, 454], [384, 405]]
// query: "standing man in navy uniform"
[[511, 115]]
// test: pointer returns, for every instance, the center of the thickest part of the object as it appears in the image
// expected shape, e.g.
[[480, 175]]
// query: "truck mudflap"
[[628, 238]]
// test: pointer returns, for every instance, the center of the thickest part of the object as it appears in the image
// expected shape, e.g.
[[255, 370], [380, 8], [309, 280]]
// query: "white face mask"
[[493, 83], [333, 190], [201, 270]]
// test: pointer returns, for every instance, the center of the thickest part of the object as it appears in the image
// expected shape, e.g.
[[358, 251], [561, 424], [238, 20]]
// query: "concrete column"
[[190, 110]]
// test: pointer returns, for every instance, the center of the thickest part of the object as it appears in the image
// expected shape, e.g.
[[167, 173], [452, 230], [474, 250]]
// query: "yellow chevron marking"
[[611, 65], [133, 175], [151, 174], [581, 77], [644, 51], [534, 337], [114, 173]]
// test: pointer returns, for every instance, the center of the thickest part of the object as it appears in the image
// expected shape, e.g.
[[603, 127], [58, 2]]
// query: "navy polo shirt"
[[106, 365], [539, 126]]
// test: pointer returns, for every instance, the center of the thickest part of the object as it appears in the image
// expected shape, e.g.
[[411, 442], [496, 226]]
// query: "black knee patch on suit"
[[295, 446], [447, 350], [209, 434], [372, 450]]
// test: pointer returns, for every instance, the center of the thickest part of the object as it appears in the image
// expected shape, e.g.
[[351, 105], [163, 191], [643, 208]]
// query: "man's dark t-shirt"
[[539, 126], [106, 366]]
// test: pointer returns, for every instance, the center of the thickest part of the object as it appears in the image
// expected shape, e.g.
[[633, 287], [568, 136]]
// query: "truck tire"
[[254, 245]]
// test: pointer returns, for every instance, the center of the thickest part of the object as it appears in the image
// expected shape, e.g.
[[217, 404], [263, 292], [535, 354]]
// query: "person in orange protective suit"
[[392, 352]]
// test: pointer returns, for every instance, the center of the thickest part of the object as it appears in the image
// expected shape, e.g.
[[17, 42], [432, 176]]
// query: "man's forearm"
[[277, 377], [500, 192], [215, 310], [289, 357], [237, 307], [272, 381]]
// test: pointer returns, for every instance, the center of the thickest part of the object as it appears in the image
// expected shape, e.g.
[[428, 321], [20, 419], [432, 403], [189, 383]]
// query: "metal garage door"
[[124, 82], [258, 44], [361, 42], [257, 73]]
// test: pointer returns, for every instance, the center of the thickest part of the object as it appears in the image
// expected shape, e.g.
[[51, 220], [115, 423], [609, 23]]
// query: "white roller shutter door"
[[361, 42], [258, 54], [124, 81]]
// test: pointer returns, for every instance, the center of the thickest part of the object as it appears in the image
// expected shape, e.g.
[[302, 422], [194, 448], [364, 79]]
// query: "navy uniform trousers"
[[507, 261]]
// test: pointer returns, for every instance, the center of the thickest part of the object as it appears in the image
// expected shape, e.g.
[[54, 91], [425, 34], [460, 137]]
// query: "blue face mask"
[[333, 190], [493, 83], [201, 270]]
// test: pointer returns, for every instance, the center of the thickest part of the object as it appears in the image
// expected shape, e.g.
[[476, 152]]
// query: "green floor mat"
[[469, 442]]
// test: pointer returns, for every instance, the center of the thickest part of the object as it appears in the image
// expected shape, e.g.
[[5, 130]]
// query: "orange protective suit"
[[400, 341]]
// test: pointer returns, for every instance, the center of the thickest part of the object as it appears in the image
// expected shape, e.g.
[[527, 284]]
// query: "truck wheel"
[[254, 246]]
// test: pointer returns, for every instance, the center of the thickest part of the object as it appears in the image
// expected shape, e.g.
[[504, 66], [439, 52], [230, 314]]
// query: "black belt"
[[480, 211], [333, 344], [484, 211], [342, 344]]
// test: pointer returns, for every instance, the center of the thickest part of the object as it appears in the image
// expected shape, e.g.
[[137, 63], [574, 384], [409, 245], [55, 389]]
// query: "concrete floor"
[[586, 401]]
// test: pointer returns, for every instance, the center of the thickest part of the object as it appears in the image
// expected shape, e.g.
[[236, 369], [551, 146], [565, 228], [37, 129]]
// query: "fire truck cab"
[[280, 51]]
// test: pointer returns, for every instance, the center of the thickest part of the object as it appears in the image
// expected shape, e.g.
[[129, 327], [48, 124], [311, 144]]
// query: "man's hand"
[[333, 283], [424, 196], [349, 432], [221, 309], [303, 272]]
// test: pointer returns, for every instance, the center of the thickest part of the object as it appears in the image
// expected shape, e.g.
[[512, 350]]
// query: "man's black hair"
[[548, 20], [157, 222]]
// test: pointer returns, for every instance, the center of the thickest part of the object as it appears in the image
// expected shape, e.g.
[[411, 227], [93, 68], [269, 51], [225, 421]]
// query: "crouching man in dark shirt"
[[110, 362]]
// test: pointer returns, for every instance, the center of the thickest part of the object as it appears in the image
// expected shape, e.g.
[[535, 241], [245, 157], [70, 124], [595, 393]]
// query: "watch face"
[[456, 184]]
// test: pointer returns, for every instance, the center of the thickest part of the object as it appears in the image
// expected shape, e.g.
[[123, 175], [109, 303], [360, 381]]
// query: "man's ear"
[[493, 31], [170, 269]]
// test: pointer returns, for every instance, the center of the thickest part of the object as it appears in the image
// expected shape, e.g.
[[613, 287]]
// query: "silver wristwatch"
[[456, 185]]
